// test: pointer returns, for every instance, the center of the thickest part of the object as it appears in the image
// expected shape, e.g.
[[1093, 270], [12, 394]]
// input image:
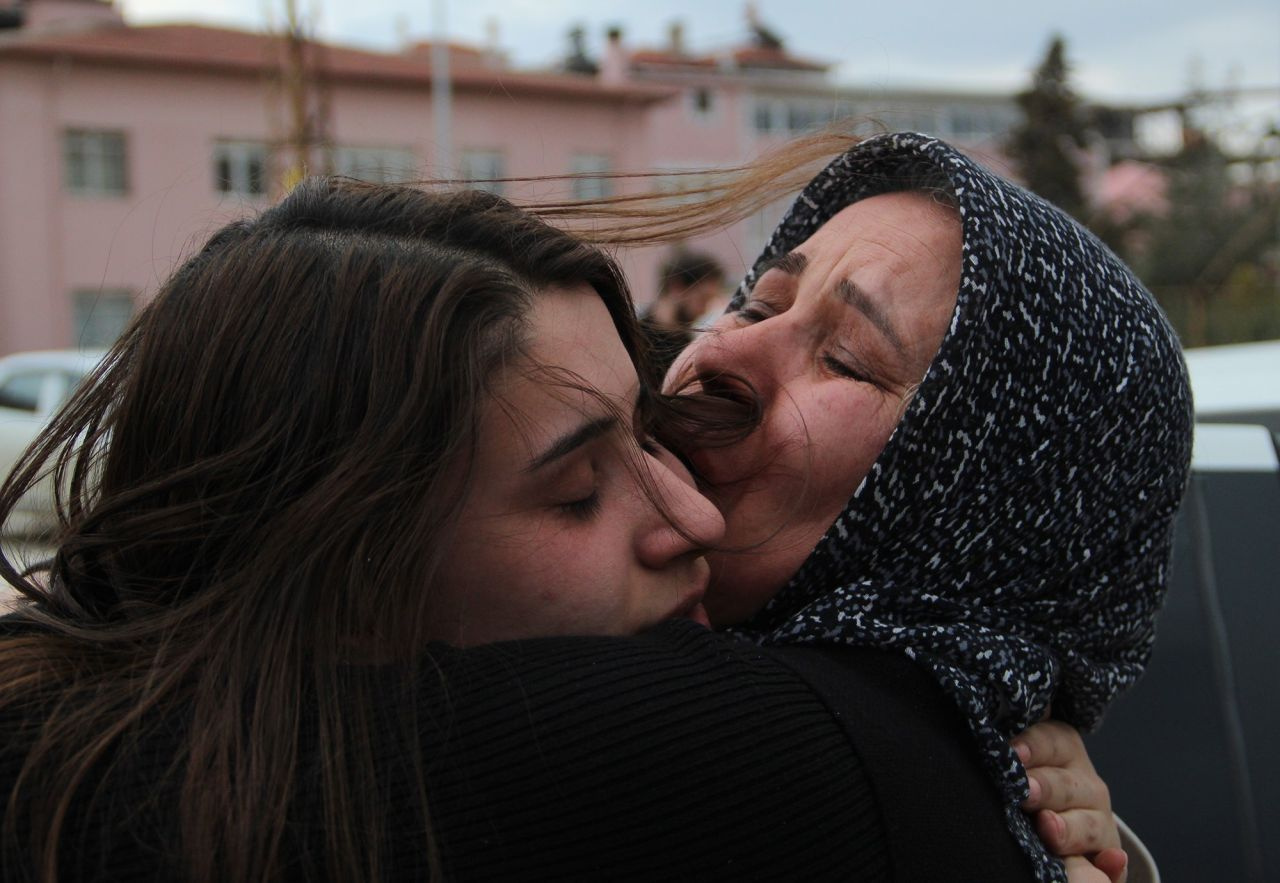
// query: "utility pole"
[[441, 93], [303, 148], [295, 86]]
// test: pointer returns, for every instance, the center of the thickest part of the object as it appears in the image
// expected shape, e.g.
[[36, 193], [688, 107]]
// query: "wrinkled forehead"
[[872, 169]]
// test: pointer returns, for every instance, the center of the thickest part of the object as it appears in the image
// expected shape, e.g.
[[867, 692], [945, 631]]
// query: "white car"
[[32, 387], [1204, 718], [1237, 383]]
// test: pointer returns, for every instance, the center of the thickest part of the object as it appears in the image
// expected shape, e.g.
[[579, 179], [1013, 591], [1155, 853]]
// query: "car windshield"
[[22, 391]]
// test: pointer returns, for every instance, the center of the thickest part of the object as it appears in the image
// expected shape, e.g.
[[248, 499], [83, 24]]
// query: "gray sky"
[[1120, 49]]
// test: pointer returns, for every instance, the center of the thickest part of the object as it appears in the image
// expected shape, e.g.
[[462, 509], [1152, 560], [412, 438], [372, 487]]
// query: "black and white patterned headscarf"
[[1014, 535]]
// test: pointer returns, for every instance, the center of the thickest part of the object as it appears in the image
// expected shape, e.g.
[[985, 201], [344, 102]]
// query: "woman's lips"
[[694, 611], [698, 614]]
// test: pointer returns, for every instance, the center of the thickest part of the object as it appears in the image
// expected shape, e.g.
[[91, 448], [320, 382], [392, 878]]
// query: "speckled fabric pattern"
[[1014, 535]]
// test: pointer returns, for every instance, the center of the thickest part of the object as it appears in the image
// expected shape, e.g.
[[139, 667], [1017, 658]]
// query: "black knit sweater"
[[680, 754]]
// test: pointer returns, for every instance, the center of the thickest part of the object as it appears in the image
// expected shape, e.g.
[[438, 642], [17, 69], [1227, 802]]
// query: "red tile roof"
[[778, 59], [673, 59], [222, 50], [748, 57], [461, 56]]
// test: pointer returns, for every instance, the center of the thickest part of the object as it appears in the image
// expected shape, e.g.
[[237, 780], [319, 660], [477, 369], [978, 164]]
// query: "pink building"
[[122, 148]]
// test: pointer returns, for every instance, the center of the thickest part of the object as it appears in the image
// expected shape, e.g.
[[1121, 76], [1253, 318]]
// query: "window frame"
[[239, 154], [92, 329], [489, 182], [591, 171], [95, 161], [376, 164]]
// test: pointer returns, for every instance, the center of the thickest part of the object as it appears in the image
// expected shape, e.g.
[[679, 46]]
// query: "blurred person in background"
[[689, 283]]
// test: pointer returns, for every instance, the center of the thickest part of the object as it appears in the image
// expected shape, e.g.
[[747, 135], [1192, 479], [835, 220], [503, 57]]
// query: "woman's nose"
[[764, 354], [687, 520]]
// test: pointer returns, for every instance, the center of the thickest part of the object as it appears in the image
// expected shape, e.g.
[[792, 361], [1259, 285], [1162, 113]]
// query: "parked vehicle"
[[37, 383], [32, 387], [1237, 383], [1189, 753]]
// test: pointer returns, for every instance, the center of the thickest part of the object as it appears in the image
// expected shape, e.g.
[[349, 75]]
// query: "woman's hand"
[[1070, 804], [1082, 870]]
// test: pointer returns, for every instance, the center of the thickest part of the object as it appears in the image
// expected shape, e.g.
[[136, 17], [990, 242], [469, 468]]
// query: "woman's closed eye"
[[836, 366], [755, 310], [577, 491], [847, 363], [584, 508], [773, 294]]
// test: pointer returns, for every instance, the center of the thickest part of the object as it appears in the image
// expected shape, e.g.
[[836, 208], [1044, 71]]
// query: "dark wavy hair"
[[255, 486]]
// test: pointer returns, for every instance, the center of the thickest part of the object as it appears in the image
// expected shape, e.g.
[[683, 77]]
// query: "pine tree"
[[1043, 146]]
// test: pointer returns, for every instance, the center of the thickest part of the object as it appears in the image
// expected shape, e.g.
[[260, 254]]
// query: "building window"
[[483, 169], [799, 117], [702, 104], [683, 187], [919, 120], [589, 183], [379, 165], [100, 316], [844, 110], [96, 164], [764, 116], [240, 168], [805, 116], [794, 117], [21, 392], [976, 122]]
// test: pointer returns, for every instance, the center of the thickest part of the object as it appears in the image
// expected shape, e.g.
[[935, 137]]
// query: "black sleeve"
[[679, 755], [943, 816]]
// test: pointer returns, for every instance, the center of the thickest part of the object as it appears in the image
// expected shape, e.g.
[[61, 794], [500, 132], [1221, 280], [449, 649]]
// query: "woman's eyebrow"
[[792, 263], [860, 301], [572, 440]]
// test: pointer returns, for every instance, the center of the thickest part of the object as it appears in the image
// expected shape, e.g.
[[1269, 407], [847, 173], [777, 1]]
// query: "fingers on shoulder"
[[1081, 870], [1063, 788], [1052, 743], [1077, 832]]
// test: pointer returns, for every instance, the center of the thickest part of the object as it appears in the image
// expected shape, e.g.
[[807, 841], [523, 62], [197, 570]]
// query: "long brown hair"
[[257, 481]]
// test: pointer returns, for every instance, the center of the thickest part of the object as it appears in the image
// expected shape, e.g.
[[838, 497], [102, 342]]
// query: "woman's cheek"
[[574, 548], [847, 429]]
